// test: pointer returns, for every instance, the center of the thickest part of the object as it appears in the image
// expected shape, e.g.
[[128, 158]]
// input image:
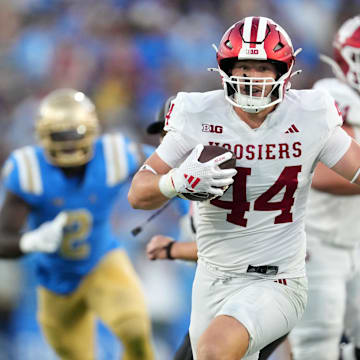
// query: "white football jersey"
[[260, 219], [333, 218]]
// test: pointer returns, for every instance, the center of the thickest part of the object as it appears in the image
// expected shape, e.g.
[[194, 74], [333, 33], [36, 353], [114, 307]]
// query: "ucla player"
[[66, 188], [250, 286]]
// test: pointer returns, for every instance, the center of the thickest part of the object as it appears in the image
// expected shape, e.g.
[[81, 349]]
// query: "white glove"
[[193, 176], [46, 238]]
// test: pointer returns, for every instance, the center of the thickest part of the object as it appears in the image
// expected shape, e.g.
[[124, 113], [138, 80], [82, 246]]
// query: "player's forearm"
[[336, 180], [338, 189], [184, 251], [144, 192]]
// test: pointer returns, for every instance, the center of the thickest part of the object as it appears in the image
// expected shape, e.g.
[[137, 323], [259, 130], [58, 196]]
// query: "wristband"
[[166, 185], [168, 250]]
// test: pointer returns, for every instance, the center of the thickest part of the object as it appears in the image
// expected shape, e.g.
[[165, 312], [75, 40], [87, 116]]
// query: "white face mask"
[[255, 99]]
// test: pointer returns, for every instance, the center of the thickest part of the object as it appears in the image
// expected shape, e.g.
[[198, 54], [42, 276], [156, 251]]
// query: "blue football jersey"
[[87, 201]]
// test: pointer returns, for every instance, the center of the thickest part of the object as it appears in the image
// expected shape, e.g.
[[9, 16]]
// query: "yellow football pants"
[[112, 292]]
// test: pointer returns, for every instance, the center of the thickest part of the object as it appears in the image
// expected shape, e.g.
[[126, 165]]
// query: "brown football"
[[209, 152]]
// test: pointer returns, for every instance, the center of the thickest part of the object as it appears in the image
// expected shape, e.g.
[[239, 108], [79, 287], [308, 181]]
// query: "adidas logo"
[[192, 181], [292, 129]]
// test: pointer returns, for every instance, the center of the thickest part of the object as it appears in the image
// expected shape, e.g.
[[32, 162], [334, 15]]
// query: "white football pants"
[[334, 289], [266, 308]]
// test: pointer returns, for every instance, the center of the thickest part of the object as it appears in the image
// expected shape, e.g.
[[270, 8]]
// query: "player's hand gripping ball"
[[210, 152]]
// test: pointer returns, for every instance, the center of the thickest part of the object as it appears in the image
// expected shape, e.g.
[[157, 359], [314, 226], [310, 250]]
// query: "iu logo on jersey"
[[218, 129]]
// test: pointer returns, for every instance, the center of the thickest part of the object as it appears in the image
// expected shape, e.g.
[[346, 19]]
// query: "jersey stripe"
[[116, 165], [108, 154], [35, 178], [121, 157], [23, 171], [137, 152], [29, 171], [115, 158]]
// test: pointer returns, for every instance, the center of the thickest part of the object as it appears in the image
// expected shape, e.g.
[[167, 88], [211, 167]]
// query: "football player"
[[332, 225], [161, 247], [250, 285], [66, 188]]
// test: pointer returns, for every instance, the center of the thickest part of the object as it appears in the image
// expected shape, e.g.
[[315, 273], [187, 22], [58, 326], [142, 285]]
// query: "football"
[[209, 152]]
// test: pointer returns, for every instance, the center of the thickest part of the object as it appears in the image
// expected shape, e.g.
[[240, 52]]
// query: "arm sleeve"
[[335, 147]]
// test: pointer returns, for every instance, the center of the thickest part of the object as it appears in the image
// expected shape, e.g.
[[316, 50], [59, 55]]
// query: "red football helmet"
[[347, 52], [255, 38]]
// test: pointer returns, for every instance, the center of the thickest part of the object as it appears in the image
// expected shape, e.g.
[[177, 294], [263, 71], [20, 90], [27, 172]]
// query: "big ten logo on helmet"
[[263, 151], [252, 52], [218, 129]]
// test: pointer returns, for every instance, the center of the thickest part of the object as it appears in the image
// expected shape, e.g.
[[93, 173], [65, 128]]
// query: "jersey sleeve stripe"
[[23, 171], [137, 152], [115, 159], [29, 172], [121, 158], [35, 175], [109, 160]]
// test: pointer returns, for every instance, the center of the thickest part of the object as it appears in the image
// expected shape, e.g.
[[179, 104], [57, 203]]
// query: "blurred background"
[[128, 56]]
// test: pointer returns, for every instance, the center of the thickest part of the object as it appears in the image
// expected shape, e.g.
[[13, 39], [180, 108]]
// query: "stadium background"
[[128, 56]]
